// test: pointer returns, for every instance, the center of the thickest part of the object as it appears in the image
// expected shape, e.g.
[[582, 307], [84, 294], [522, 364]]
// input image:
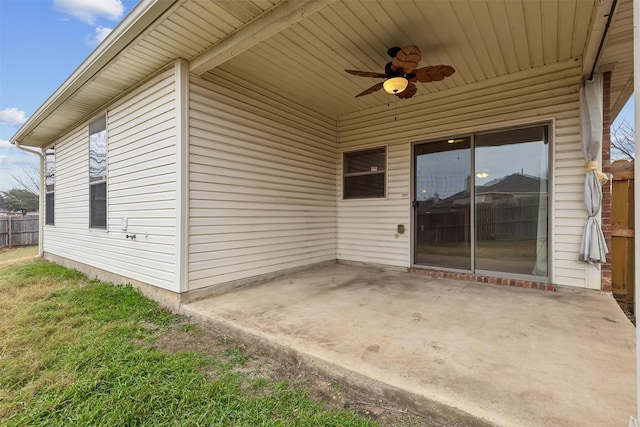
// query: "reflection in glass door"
[[442, 204], [481, 203], [511, 197]]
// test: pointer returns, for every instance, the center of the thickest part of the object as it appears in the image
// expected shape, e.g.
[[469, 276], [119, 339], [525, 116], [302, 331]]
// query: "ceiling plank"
[[518, 25], [533, 22], [259, 29], [550, 31], [505, 35]]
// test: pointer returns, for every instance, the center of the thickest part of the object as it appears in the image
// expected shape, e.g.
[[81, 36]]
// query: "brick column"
[[606, 168]]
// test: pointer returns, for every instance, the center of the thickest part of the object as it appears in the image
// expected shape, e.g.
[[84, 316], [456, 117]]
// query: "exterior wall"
[[261, 183], [141, 186], [367, 228]]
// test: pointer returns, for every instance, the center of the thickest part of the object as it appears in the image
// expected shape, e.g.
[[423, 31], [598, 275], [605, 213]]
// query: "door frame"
[[470, 133]]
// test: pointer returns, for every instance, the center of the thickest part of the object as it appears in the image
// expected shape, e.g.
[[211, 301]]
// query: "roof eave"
[[134, 24]]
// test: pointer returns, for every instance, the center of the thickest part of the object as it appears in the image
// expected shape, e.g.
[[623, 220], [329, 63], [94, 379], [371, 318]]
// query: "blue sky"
[[41, 43]]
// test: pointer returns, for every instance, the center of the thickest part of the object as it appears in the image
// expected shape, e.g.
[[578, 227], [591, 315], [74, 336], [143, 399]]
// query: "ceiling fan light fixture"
[[395, 85]]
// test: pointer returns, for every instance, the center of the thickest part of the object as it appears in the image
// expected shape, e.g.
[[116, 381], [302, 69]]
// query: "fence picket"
[[18, 231]]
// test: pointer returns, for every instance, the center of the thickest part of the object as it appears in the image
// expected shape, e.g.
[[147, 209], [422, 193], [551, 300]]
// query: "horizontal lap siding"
[[141, 186], [367, 228], [261, 183]]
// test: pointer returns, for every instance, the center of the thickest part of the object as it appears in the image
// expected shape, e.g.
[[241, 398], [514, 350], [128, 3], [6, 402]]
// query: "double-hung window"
[[98, 173], [365, 174], [49, 182]]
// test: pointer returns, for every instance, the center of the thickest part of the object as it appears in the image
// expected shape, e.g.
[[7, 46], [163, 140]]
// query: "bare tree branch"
[[29, 180], [622, 141]]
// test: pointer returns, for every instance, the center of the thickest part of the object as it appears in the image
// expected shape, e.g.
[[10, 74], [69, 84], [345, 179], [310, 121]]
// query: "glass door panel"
[[511, 194], [442, 204]]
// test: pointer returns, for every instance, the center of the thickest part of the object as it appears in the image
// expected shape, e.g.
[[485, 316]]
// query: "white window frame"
[[346, 175], [49, 189], [102, 180]]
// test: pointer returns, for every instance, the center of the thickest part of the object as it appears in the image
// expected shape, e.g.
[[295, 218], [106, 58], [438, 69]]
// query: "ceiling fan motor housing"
[[388, 69], [393, 51], [402, 73]]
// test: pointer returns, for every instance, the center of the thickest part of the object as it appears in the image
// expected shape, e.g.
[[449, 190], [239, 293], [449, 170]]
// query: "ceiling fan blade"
[[408, 92], [374, 88], [433, 73], [407, 59], [367, 74]]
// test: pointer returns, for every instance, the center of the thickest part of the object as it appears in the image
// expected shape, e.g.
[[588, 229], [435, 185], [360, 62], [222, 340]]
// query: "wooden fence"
[[18, 231], [495, 221], [622, 235]]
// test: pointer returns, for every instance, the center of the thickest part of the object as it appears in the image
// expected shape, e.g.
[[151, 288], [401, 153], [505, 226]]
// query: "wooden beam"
[[622, 232], [259, 29]]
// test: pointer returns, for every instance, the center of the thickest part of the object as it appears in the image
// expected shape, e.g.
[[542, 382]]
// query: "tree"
[[28, 180], [20, 199], [622, 141]]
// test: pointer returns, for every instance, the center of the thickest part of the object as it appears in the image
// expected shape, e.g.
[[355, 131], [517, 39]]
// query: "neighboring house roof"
[[515, 183], [511, 184], [300, 48]]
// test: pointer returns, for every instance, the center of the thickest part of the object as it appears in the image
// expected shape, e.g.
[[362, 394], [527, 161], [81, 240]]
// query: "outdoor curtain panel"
[[594, 248]]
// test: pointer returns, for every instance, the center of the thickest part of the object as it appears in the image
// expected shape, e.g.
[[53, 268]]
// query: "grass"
[[502, 249], [13, 256], [75, 351]]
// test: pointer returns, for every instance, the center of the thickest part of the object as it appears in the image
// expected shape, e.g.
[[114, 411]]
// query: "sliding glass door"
[[505, 229], [442, 202]]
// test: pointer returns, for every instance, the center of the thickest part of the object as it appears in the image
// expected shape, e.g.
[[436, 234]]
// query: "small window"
[[364, 174], [98, 173], [49, 182]]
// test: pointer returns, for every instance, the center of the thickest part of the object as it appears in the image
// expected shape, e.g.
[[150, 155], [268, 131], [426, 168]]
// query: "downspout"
[[603, 39], [40, 198]]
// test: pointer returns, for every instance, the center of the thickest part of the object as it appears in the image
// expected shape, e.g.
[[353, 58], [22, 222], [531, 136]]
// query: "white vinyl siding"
[[261, 183], [367, 229], [142, 188]]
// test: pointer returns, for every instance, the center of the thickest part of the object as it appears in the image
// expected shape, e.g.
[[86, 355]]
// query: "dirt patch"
[[15, 256], [189, 337]]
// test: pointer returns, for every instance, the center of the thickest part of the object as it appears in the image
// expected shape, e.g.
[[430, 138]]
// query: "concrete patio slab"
[[504, 356]]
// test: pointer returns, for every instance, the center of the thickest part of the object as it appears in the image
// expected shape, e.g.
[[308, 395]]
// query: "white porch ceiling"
[[480, 39], [288, 47]]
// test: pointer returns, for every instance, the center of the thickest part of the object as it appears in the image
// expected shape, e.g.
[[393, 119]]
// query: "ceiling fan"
[[401, 73]]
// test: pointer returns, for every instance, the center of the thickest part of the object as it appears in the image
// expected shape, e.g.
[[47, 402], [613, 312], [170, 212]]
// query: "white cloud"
[[14, 164], [89, 11], [100, 34], [16, 161], [12, 116], [4, 159]]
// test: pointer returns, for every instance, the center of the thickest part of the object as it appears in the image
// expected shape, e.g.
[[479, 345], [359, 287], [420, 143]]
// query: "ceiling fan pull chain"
[[395, 109]]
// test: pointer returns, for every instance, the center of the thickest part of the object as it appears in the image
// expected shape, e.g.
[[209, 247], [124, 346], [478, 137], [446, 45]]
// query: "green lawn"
[[80, 352]]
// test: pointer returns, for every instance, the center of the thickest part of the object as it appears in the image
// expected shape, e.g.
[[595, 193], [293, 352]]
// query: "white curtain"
[[541, 267], [594, 248]]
